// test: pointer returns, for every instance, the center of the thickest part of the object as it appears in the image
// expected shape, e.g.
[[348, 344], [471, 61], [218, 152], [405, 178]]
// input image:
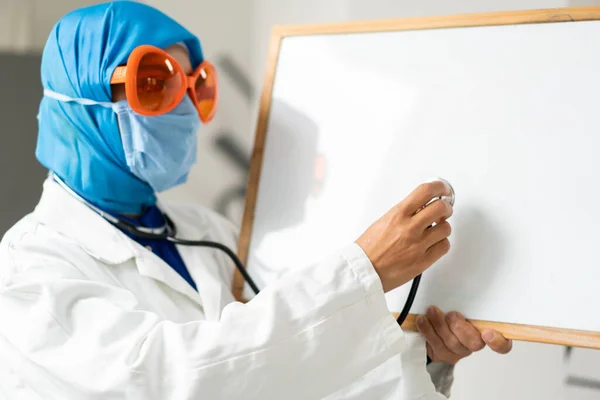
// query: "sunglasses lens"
[[206, 92], [159, 82]]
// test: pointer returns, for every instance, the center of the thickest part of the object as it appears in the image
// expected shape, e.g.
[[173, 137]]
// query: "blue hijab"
[[82, 144]]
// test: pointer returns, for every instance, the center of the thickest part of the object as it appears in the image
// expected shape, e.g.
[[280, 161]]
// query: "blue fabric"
[[152, 217], [161, 150], [81, 144]]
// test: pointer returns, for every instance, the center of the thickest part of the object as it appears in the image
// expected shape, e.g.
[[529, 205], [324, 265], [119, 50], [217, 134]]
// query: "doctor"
[[91, 312]]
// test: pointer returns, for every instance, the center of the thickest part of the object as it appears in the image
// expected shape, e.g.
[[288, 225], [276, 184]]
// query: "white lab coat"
[[87, 313]]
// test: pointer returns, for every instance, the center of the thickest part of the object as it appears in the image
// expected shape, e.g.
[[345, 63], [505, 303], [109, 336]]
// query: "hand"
[[451, 338], [401, 244]]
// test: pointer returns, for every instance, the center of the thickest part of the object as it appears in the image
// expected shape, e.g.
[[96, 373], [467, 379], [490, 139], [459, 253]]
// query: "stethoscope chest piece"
[[449, 199]]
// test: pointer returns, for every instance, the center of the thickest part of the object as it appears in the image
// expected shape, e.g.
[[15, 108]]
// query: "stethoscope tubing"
[[148, 233]]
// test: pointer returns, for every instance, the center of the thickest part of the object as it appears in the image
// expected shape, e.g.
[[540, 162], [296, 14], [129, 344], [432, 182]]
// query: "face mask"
[[159, 150]]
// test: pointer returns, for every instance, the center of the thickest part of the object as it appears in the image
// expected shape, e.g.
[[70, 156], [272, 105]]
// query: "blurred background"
[[235, 36]]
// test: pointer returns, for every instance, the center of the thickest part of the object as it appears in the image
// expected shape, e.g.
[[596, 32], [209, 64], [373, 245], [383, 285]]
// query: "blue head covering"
[[82, 144]]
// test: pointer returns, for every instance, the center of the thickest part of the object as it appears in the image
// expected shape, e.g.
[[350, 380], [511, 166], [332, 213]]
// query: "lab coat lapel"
[[152, 266], [63, 213], [208, 290], [203, 267]]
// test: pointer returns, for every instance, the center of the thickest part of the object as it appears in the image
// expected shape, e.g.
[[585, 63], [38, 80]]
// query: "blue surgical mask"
[[160, 150]]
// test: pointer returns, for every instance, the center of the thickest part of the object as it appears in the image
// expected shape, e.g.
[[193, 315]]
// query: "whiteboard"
[[509, 115]]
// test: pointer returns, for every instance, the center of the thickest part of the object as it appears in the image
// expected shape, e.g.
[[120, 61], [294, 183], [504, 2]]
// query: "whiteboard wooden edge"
[[256, 164], [527, 333], [450, 21]]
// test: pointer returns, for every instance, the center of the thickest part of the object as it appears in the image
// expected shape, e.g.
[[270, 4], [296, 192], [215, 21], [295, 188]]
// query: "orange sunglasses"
[[155, 83]]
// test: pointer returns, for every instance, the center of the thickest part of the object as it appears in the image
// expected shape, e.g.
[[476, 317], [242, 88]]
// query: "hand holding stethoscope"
[[410, 237]]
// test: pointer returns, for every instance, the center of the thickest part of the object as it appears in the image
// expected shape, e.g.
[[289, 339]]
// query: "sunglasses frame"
[[127, 74]]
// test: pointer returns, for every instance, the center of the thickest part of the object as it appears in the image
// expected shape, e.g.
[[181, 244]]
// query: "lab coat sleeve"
[[402, 377], [313, 332], [442, 375]]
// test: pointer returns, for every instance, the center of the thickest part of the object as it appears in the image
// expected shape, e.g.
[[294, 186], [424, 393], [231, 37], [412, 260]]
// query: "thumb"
[[496, 341]]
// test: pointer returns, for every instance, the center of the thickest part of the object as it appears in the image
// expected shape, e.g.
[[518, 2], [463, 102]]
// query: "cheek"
[[182, 57], [118, 92], [184, 62]]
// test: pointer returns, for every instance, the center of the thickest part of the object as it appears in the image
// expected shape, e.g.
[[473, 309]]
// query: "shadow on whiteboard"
[[467, 274], [290, 151], [292, 172]]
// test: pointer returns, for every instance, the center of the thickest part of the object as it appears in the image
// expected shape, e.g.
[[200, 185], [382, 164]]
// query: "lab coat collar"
[[62, 212]]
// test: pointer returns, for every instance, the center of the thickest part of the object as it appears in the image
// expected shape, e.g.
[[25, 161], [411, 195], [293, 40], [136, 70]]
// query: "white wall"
[[531, 371], [25, 24]]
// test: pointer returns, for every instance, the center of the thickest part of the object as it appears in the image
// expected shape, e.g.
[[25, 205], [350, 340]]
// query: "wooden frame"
[[512, 331]]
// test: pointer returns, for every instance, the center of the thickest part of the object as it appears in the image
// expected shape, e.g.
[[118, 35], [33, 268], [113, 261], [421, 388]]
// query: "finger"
[[442, 219], [440, 324], [422, 195], [468, 335], [497, 342], [437, 211], [438, 233], [430, 352], [437, 344], [435, 252]]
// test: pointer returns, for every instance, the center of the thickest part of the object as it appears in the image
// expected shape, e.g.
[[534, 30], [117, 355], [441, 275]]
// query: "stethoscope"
[[169, 231]]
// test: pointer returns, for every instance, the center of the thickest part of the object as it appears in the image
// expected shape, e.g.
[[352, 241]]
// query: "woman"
[[91, 311]]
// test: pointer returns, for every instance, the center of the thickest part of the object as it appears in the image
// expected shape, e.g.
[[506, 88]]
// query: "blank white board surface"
[[509, 115]]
